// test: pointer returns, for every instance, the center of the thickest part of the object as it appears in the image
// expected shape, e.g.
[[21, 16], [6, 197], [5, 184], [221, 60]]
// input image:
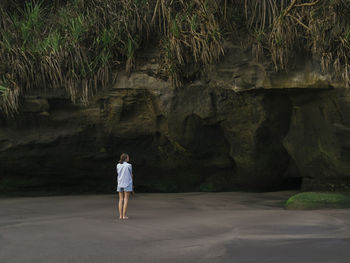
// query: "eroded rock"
[[240, 127]]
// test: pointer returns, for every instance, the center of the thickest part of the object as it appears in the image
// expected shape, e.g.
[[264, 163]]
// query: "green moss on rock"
[[318, 200]]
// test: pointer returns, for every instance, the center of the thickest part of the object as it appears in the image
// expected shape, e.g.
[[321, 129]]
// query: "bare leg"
[[126, 199], [121, 198]]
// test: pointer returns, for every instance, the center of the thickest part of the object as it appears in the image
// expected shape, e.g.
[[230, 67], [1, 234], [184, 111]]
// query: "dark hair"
[[123, 157]]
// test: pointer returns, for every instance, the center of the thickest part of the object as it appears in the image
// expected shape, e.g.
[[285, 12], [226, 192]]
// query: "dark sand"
[[191, 227]]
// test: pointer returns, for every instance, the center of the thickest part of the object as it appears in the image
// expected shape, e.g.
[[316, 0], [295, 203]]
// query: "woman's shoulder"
[[124, 163]]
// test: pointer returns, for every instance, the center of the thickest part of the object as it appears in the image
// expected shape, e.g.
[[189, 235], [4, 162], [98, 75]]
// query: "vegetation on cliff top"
[[78, 44]]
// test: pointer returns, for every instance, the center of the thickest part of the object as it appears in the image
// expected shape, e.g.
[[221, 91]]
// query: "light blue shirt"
[[124, 171]]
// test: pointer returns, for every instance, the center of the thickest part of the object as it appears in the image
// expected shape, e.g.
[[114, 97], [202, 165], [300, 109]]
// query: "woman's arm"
[[132, 176]]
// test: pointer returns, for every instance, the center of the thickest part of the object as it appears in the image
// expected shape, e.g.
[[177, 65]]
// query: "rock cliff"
[[237, 127]]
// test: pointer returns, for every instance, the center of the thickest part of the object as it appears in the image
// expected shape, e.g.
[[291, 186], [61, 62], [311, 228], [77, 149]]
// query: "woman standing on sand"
[[125, 185]]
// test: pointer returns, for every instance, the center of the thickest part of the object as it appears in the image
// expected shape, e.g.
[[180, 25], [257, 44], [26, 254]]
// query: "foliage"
[[192, 35], [75, 45], [78, 44], [318, 29]]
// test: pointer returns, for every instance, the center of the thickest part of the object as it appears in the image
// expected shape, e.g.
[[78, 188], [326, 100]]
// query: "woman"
[[125, 186]]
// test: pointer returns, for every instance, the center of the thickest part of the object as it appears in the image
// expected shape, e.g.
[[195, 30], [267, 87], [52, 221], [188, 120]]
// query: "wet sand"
[[191, 227]]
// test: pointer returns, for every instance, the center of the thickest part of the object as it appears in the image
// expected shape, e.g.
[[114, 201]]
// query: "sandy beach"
[[188, 227]]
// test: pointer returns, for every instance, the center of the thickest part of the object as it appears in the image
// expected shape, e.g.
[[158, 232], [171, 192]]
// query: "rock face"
[[239, 127]]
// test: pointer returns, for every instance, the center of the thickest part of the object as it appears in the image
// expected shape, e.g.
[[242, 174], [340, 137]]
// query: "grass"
[[318, 200], [80, 44], [303, 27]]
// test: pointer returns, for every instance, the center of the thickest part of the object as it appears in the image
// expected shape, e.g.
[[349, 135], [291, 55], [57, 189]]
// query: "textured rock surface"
[[237, 127]]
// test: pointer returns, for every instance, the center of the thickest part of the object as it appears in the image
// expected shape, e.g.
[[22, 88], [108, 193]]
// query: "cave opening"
[[291, 183]]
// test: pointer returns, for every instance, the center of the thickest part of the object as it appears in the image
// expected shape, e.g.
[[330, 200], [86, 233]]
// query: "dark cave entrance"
[[291, 183]]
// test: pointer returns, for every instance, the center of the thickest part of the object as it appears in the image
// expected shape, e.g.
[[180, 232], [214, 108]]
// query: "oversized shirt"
[[124, 171]]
